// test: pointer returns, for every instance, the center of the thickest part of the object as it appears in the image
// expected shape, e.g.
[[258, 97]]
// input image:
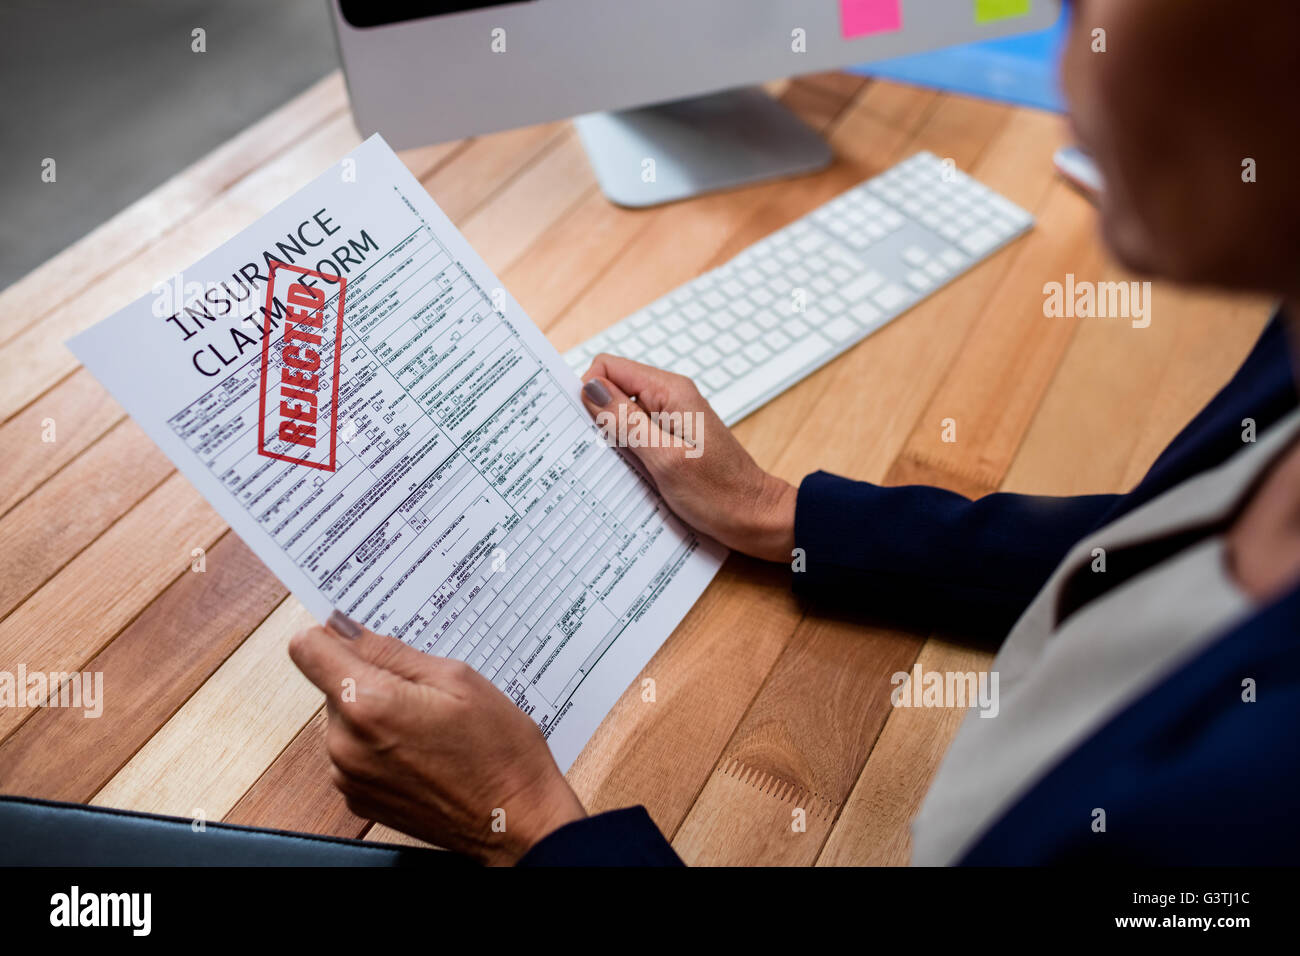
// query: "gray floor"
[[111, 90]]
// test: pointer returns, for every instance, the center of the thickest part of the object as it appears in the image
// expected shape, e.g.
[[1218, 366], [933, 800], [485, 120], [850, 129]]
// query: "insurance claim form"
[[351, 388]]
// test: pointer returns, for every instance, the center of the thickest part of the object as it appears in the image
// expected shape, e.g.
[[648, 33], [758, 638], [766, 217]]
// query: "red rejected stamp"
[[298, 406]]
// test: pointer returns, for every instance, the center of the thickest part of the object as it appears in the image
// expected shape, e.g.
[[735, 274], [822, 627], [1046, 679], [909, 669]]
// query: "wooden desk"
[[761, 707]]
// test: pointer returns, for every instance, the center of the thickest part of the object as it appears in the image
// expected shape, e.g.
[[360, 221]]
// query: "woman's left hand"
[[430, 747]]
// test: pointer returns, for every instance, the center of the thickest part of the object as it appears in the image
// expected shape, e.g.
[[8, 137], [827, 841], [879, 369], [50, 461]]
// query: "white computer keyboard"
[[748, 330]]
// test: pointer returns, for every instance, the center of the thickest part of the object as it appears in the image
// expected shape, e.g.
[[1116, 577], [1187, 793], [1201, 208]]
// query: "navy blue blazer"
[[1188, 774]]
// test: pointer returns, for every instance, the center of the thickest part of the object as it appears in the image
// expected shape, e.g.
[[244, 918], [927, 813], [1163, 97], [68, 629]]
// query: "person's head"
[[1186, 94]]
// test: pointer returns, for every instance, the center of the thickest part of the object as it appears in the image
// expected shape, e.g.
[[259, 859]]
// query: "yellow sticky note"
[[986, 11]]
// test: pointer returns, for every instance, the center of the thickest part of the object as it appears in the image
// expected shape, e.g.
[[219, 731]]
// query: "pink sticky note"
[[859, 18]]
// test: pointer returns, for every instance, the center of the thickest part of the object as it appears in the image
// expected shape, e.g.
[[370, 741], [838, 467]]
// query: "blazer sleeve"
[[618, 838], [922, 557]]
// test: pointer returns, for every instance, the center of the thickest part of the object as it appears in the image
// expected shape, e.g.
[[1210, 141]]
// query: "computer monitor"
[[671, 76]]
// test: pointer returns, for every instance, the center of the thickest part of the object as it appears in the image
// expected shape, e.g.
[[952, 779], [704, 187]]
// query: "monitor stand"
[[658, 154]]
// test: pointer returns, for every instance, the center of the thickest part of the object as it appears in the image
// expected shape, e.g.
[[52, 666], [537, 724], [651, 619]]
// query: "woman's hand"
[[429, 747], [714, 485]]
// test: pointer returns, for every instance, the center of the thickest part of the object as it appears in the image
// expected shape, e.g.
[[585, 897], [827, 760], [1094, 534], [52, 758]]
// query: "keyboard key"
[[707, 355], [742, 393], [694, 311], [980, 241], [757, 352], [919, 281], [891, 297], [684, 344], [840, 329], [864, 313], [716, 378], [653, 335], [685, 366], [915, 256], [747, 331], [736, 365], [952, 258], [776, 340], [810, 243], [661, 357], [639, 320], [861, 286], [726, 343]]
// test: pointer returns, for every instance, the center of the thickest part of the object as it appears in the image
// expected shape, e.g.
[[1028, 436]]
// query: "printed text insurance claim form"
[[473, 509]]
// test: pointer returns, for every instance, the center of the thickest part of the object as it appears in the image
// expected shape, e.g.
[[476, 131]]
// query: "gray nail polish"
[[343, 625], [596, 392]]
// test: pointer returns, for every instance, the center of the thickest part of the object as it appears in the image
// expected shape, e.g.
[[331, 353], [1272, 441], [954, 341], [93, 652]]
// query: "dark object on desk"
[[48, 833]]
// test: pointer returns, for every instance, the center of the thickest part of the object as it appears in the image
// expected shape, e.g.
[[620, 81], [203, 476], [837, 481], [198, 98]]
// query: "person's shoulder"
[[1202, 769]]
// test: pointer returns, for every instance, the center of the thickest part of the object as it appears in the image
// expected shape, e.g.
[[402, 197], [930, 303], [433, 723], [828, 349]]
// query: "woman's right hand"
[[712, 484]]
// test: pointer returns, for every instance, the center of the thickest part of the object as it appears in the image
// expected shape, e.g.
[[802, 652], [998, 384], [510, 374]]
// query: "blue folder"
[[1020, 69]]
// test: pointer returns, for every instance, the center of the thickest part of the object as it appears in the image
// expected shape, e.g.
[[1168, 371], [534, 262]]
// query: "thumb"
[[386, 653], [627, 425]]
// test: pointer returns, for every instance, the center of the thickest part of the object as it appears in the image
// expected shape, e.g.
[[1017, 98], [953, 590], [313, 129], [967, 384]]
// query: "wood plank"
[[571, 255], [59, 519], [198, 621], [523, 209], [80, 411], [213, 749], [1106, 415], [794, 759], [485, 165], [873, 829], [95, 595], [295, 792], [991, 389]]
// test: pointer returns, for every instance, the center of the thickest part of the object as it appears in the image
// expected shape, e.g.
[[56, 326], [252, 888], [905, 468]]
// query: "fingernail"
[[343, 625], [596, 392]]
